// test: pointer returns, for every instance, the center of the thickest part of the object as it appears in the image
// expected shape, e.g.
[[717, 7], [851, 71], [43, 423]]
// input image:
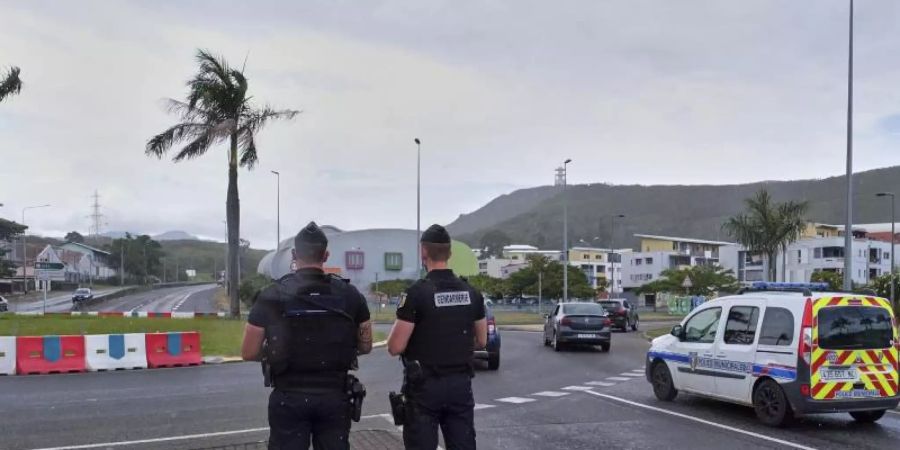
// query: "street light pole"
[[278, 209], [848, 230], [893, 220], [565, 181], [25, 248], [418, 206], [612, 251]]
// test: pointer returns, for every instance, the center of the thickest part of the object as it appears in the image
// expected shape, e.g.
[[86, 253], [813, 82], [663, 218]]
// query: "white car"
[[785, 350], [4, 304]]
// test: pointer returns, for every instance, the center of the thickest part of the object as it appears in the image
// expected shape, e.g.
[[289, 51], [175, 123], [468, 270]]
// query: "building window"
[[649, 261], [817, 253], [394, 261], [598, 257], [355, 260], [585, 256], [515, 257], [638, 261]]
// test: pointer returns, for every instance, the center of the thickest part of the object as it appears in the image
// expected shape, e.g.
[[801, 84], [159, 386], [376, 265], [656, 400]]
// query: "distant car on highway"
[[491, 352], [622, 313], [577, 323], [4, 304], [82, 295]]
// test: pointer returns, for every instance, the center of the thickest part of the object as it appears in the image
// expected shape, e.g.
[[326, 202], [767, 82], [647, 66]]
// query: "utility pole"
[[565, 252], [848, 229], [278, 209], [122, 262], [418, 206]]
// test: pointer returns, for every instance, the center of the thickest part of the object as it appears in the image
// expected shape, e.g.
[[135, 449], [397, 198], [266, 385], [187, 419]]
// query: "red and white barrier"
[[7, 355], [115, 352], [174, 349], [49, 354]]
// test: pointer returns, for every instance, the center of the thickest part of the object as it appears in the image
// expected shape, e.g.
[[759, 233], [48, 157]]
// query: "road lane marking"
[[550, 394], [515, 400], [705, 422], [618, 378], [157, 440], [483, 406], [632, 374], [577, 388], [600, 383]]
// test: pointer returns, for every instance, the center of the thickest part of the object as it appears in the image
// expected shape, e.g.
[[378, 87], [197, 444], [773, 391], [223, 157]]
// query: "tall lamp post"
[[565, 232], [612, 251], [418, 205], [848, 230], [893, 219], [278, 209], [25, 248]]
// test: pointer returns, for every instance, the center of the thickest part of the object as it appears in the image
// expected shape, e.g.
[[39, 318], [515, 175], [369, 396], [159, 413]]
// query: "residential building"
[[92, 263], [366, 256], [595, 264], [659, 253], [520, 253]]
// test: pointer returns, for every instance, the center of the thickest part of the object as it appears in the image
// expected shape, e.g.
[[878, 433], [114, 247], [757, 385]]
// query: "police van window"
[[741, 326], [777, 327], [702, 327], [853, 327]]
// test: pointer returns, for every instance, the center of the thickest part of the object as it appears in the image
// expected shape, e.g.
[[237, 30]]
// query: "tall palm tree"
[[217, 110], [767, 226], [792, 222], [10, 83]]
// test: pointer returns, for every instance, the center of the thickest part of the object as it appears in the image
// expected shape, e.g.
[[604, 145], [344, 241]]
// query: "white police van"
[[786, 349]]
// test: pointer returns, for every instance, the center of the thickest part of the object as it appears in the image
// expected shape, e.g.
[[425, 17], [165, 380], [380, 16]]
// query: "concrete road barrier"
[[115, 352]]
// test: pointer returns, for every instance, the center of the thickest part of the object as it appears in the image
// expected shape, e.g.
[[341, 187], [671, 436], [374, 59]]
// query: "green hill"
[[534, 215]]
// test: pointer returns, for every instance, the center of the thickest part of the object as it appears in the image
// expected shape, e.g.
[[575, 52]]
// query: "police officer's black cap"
[[436, 234], [311, 234]]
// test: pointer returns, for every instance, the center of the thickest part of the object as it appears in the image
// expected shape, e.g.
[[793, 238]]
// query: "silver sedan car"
[[577, 323]]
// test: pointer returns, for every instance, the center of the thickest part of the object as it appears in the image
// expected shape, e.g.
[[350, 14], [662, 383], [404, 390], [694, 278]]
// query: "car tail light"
[[606, 322], [806, 341], [492, 325], [565, 321], [621, 311], [804, 390]]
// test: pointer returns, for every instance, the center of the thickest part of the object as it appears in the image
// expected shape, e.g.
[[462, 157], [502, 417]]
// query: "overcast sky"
[[500, 92]]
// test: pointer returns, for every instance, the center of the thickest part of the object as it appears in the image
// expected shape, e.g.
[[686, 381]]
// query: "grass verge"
[[654, 333], [517, 318], [218, 337]]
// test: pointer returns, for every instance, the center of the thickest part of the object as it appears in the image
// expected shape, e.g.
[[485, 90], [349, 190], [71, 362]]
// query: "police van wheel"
[[771, 405], [867, 416], [661, 379]]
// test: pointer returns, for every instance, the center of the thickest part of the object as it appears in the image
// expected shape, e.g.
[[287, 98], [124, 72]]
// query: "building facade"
[[659, 253], [367, 256]]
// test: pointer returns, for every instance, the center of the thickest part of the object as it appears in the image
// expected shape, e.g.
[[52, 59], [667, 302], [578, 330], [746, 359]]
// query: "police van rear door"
[[854, 354]]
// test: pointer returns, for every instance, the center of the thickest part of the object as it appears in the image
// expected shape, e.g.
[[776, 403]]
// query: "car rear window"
[[608, 305], [853, 327], [587, 308]]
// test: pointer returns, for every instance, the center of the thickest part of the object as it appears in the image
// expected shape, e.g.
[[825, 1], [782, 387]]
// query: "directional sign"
[[49, 265]]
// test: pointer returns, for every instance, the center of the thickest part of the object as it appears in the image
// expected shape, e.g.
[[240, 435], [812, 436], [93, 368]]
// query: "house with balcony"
[[659, 253]]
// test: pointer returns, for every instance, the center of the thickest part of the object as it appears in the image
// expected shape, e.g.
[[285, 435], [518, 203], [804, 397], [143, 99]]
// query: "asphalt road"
[[539, 399], [198, 298], [56, 302]]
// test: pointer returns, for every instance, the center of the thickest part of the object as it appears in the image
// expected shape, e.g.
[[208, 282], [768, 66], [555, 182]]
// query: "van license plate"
[[838, 374], [587, 336]]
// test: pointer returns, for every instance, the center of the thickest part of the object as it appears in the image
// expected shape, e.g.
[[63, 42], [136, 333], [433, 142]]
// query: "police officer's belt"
[[311, 382]]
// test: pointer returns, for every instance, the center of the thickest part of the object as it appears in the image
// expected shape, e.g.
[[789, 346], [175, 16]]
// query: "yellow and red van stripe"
[[877, 368]]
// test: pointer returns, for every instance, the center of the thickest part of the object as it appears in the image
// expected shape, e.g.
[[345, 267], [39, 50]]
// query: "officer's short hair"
[[437, 252], [310, 244]]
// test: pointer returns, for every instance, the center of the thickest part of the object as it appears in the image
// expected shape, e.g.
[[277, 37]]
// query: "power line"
[[96, 217]]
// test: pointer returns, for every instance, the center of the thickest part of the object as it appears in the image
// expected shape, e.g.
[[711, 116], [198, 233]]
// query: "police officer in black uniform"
[[308, 329], [440, 321]]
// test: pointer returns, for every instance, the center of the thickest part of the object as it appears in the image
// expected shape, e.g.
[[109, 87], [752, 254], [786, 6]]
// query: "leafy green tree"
[[489, 286], [705, 280], [391, 288], [834, 279], [9, 231], [74, 236], [549, 275], [767, 226], [882, 285], [218, 109], [10, 83], [252, 284], [142, 256], [492, 243]]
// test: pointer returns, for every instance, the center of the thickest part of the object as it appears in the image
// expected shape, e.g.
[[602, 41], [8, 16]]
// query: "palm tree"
[[10, 83], [218, 109], [767, 226]]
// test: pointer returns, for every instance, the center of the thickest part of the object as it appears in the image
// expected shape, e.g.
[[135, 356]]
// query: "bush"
[[250, 285]]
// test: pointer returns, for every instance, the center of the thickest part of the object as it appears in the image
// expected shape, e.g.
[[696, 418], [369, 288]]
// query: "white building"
[[659, 253]]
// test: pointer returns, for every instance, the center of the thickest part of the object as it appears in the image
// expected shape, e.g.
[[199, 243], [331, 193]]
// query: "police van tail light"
[[806, 343], [492, 325], [804, 390]]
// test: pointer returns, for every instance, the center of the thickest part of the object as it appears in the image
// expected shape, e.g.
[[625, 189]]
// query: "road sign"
[[49, 265]]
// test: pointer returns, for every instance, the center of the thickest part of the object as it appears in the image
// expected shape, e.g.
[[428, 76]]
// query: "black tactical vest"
[[444, 337], [314, 336]]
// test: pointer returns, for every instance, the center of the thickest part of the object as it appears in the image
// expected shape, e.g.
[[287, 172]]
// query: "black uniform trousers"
[[295, 416], [444, 401]]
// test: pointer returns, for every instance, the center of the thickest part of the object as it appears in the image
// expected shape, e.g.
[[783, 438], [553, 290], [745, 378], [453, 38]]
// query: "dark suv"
[[622, 313], [491, 353]]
